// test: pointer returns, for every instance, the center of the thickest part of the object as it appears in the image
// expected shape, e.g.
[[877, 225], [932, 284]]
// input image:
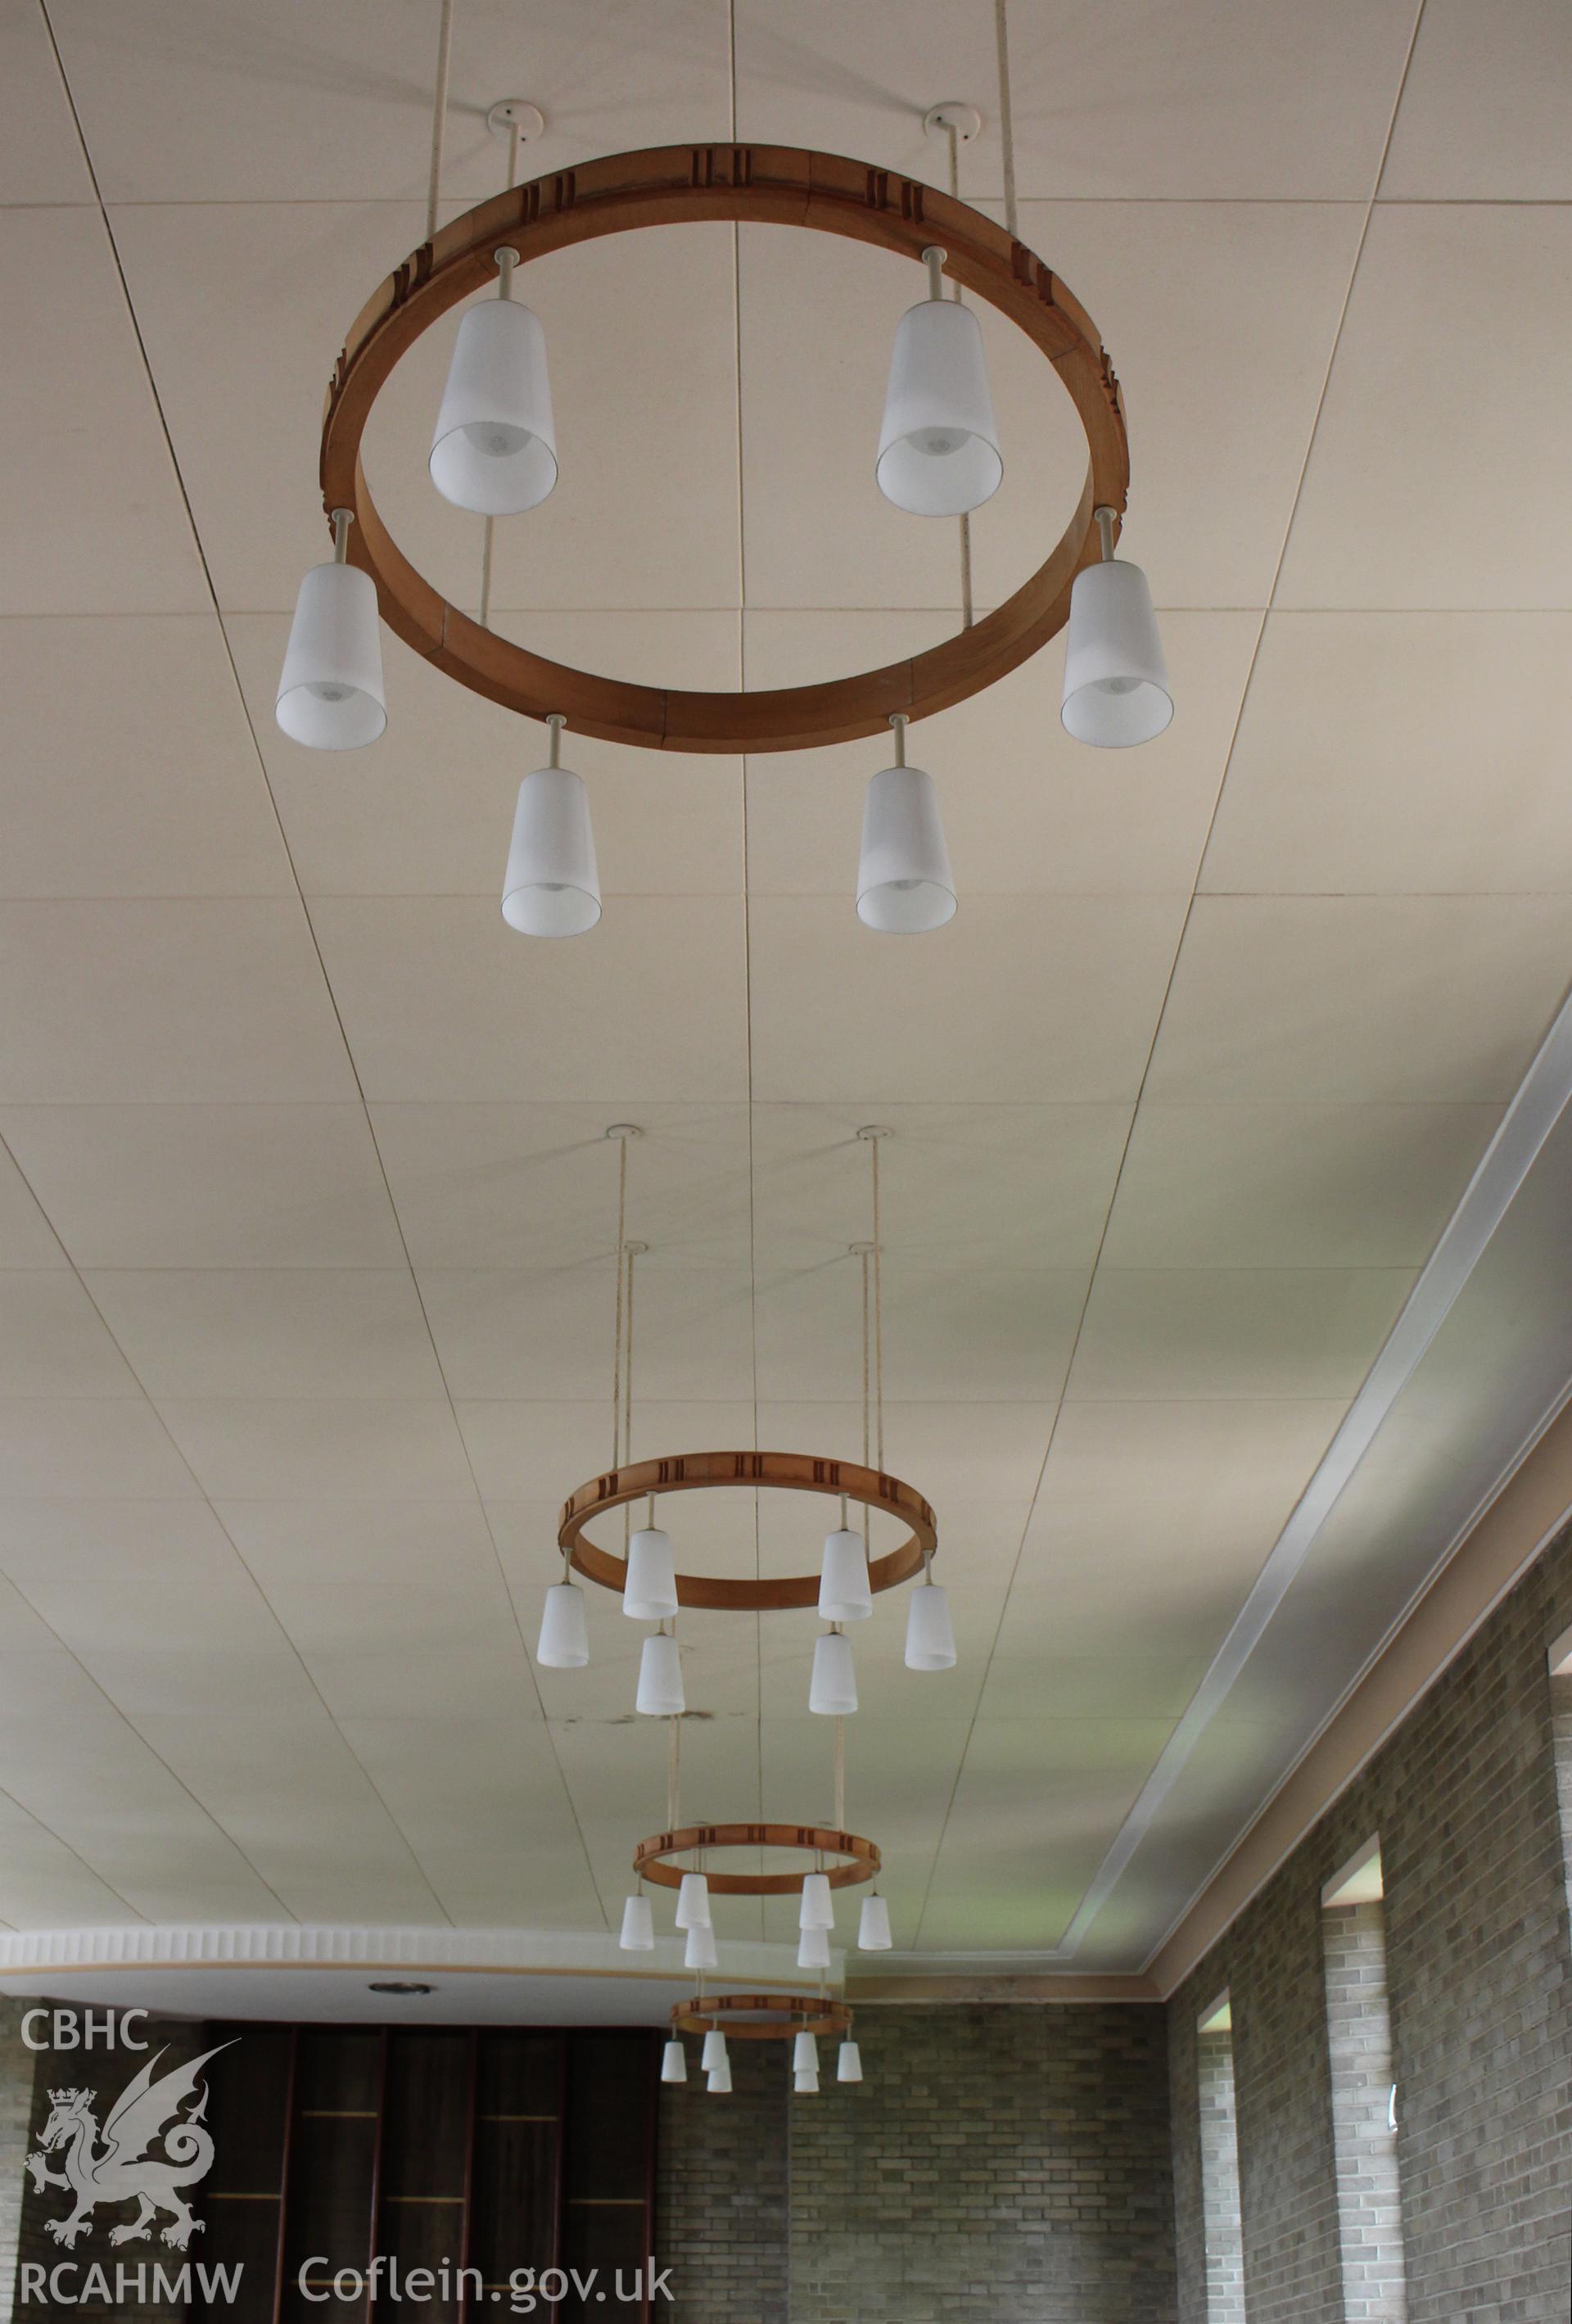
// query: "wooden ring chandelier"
[[760, 2016], [680, 185], [800, 1472], [653, 1859]]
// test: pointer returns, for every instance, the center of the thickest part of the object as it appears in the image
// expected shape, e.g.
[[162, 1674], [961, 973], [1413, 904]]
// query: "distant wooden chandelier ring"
[[654, 1860], [796, 1472], [682, 185], [760, 2016]]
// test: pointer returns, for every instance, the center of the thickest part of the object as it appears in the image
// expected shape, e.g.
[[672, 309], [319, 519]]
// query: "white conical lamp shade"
[[693, 1901], [930, 1640], [938, 449], [1116, 680], [873, 1934], [804, 2054], [552, 887], [700, 1950], [660, 1679], [817, 1910], [638, 1926], [805, 2085], [848, 2063], [713, 2055], [813, 1949], [904, 885], [832, 1690], [330, 688], [650, 1592], [564, 1637], [495, 449], [674, 2062], [720, 2080], [844, 1595]]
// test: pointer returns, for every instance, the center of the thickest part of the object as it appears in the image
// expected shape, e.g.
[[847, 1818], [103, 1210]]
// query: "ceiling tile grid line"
[[1065, 1946], [525, 1657]]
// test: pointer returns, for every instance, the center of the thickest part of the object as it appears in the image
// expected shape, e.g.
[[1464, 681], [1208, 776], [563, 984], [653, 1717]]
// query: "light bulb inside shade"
[[848, 2063], [700, 1952], [660, 1679], [649, 1591], [930, 1640], [844, 1595], [817, 1910], [564, 1637], [804, 2054], [873, 1934], [638, 1926], [813, 1949], [904, 885], [720, 2080], [938, 448], [552, 886], [805, 2085], [693, 1901], [673, 2063], [713, 2054], [330, 689], [494, 448], [833, 1690], [1117, 690]]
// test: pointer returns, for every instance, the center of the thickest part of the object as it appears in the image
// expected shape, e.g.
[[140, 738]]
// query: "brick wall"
[[1006, 2164], [1359, 2042], [1222, 2223], [1480, 1978]]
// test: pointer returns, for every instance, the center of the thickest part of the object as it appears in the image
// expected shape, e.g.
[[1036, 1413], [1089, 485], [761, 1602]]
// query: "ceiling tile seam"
[[332, 1002], [1065, 1947], [1486, 1499]]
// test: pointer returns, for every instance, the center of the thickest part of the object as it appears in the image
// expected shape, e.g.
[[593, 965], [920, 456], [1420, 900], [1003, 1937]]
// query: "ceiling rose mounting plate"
[[953, 114]]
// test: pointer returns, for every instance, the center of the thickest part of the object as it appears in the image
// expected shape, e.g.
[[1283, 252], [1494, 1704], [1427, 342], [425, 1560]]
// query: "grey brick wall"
[[1464, 1796], [1006, 2164], [1359, 2040], [1222, 2225]]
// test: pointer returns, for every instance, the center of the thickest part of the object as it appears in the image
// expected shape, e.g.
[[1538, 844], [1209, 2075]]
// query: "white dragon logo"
[[124, 2170]]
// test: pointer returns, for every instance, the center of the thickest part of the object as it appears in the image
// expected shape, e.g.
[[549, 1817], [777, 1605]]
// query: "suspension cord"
[[878, 1320], [439, 116], [966, 615], [621, 1263], [485, 616], [674, 1768], [866, 1401], [1007, 119], [839, 1775]]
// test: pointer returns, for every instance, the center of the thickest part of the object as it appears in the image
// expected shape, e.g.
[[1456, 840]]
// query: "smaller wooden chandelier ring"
[[859, 1858], [719, 2012], [794, 1472]]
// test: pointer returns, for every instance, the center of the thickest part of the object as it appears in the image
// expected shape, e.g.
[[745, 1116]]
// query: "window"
[[1220, 2166], [1364, 2095]]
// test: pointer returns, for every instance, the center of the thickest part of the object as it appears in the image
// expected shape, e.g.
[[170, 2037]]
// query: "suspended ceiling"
[[307, 1213]]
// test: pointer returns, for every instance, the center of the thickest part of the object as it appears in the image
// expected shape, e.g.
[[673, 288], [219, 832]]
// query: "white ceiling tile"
[[1424, 433], [1220, 377], [1039, 1684], [208, 1186], [542, 1452], [182, 103], [54, 1342], [1013, 1001], [407, 1650], [950, 1333], [1484, 111], [368, 1544], [1025, 808], [44, 1884], [441, 999], [26, 1237], [429, 809], [1243, 100], [127, 764], [1396, 754], [68, 1448], [1300, 1332], [536, 1185], [1333, 998], [550, 1333], [332, 1448], [109, 1541], [171, 1000], [42, 159], [94, 518], [1292, 1186], [263, 1331], [949, 1452]]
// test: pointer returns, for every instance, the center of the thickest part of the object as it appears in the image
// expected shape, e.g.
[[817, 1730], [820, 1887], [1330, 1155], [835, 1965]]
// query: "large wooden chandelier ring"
[[679, 185], [799, 1472], [858, 1860], [760, 2016]]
